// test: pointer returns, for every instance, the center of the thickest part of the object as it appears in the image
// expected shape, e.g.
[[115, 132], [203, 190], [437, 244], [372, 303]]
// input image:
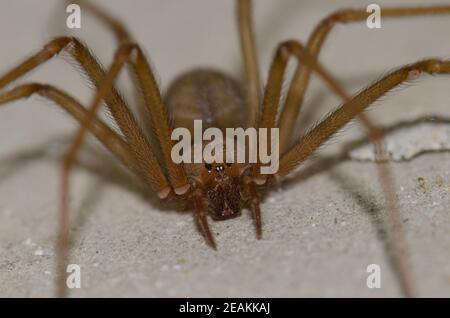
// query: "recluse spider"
[[218, 190]]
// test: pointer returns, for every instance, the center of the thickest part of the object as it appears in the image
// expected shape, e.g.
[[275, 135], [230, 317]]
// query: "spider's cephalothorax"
[[224, 192], [216, 100]]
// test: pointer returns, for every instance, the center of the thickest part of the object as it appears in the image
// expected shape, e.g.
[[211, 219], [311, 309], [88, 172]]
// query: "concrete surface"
[[320, 232]]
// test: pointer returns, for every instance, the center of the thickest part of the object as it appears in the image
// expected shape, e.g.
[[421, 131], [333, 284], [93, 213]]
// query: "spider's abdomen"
[[208, 95]]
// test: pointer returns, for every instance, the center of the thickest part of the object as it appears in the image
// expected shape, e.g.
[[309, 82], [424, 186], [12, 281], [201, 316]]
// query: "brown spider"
[[220, 189]]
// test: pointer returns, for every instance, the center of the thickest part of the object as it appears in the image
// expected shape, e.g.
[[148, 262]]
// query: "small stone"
[[38, 252], [406, 143]]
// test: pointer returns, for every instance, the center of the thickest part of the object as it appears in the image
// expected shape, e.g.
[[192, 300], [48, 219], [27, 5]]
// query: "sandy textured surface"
[[320, 232]]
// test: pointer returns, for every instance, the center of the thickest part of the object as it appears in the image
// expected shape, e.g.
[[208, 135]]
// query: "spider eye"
[[220, 168], [208, 167], [228, 164]]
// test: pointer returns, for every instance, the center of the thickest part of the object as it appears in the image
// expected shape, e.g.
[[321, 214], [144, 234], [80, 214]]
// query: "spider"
[[216, 189]]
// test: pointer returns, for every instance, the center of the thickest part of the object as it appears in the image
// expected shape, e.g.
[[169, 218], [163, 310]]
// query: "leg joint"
[[341, 16], [58, 44], [126, 50]]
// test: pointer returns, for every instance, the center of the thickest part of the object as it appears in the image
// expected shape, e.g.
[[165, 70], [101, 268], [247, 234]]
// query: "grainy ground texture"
[[320, 232]]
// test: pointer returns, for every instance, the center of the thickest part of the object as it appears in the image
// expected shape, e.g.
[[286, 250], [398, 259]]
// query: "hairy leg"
[[142, 153], [314, 45], [298, 88], [252, 90], [122, 54], [252, 85], [144, 79], [270, 107], [274, 84], [120, 31], [201, 217], [125, 52], [102, 131], [250, 188], [344, 114], [160, 120], [271, 102], [250, 57], [340, 117], [154, 107], [144, 156]]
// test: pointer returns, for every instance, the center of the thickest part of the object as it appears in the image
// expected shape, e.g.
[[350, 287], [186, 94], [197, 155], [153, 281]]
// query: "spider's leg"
[[272, 92], [315, 42], [154, 108], [125, 52], [104, 89], [250, 187], [348, 111], [122, 35], [108, 137], [250, 58], [202, 219], [157, 112], [270, 103], [142, 152], [118, 28], [307, 144], [148, 164], [271, 100]]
